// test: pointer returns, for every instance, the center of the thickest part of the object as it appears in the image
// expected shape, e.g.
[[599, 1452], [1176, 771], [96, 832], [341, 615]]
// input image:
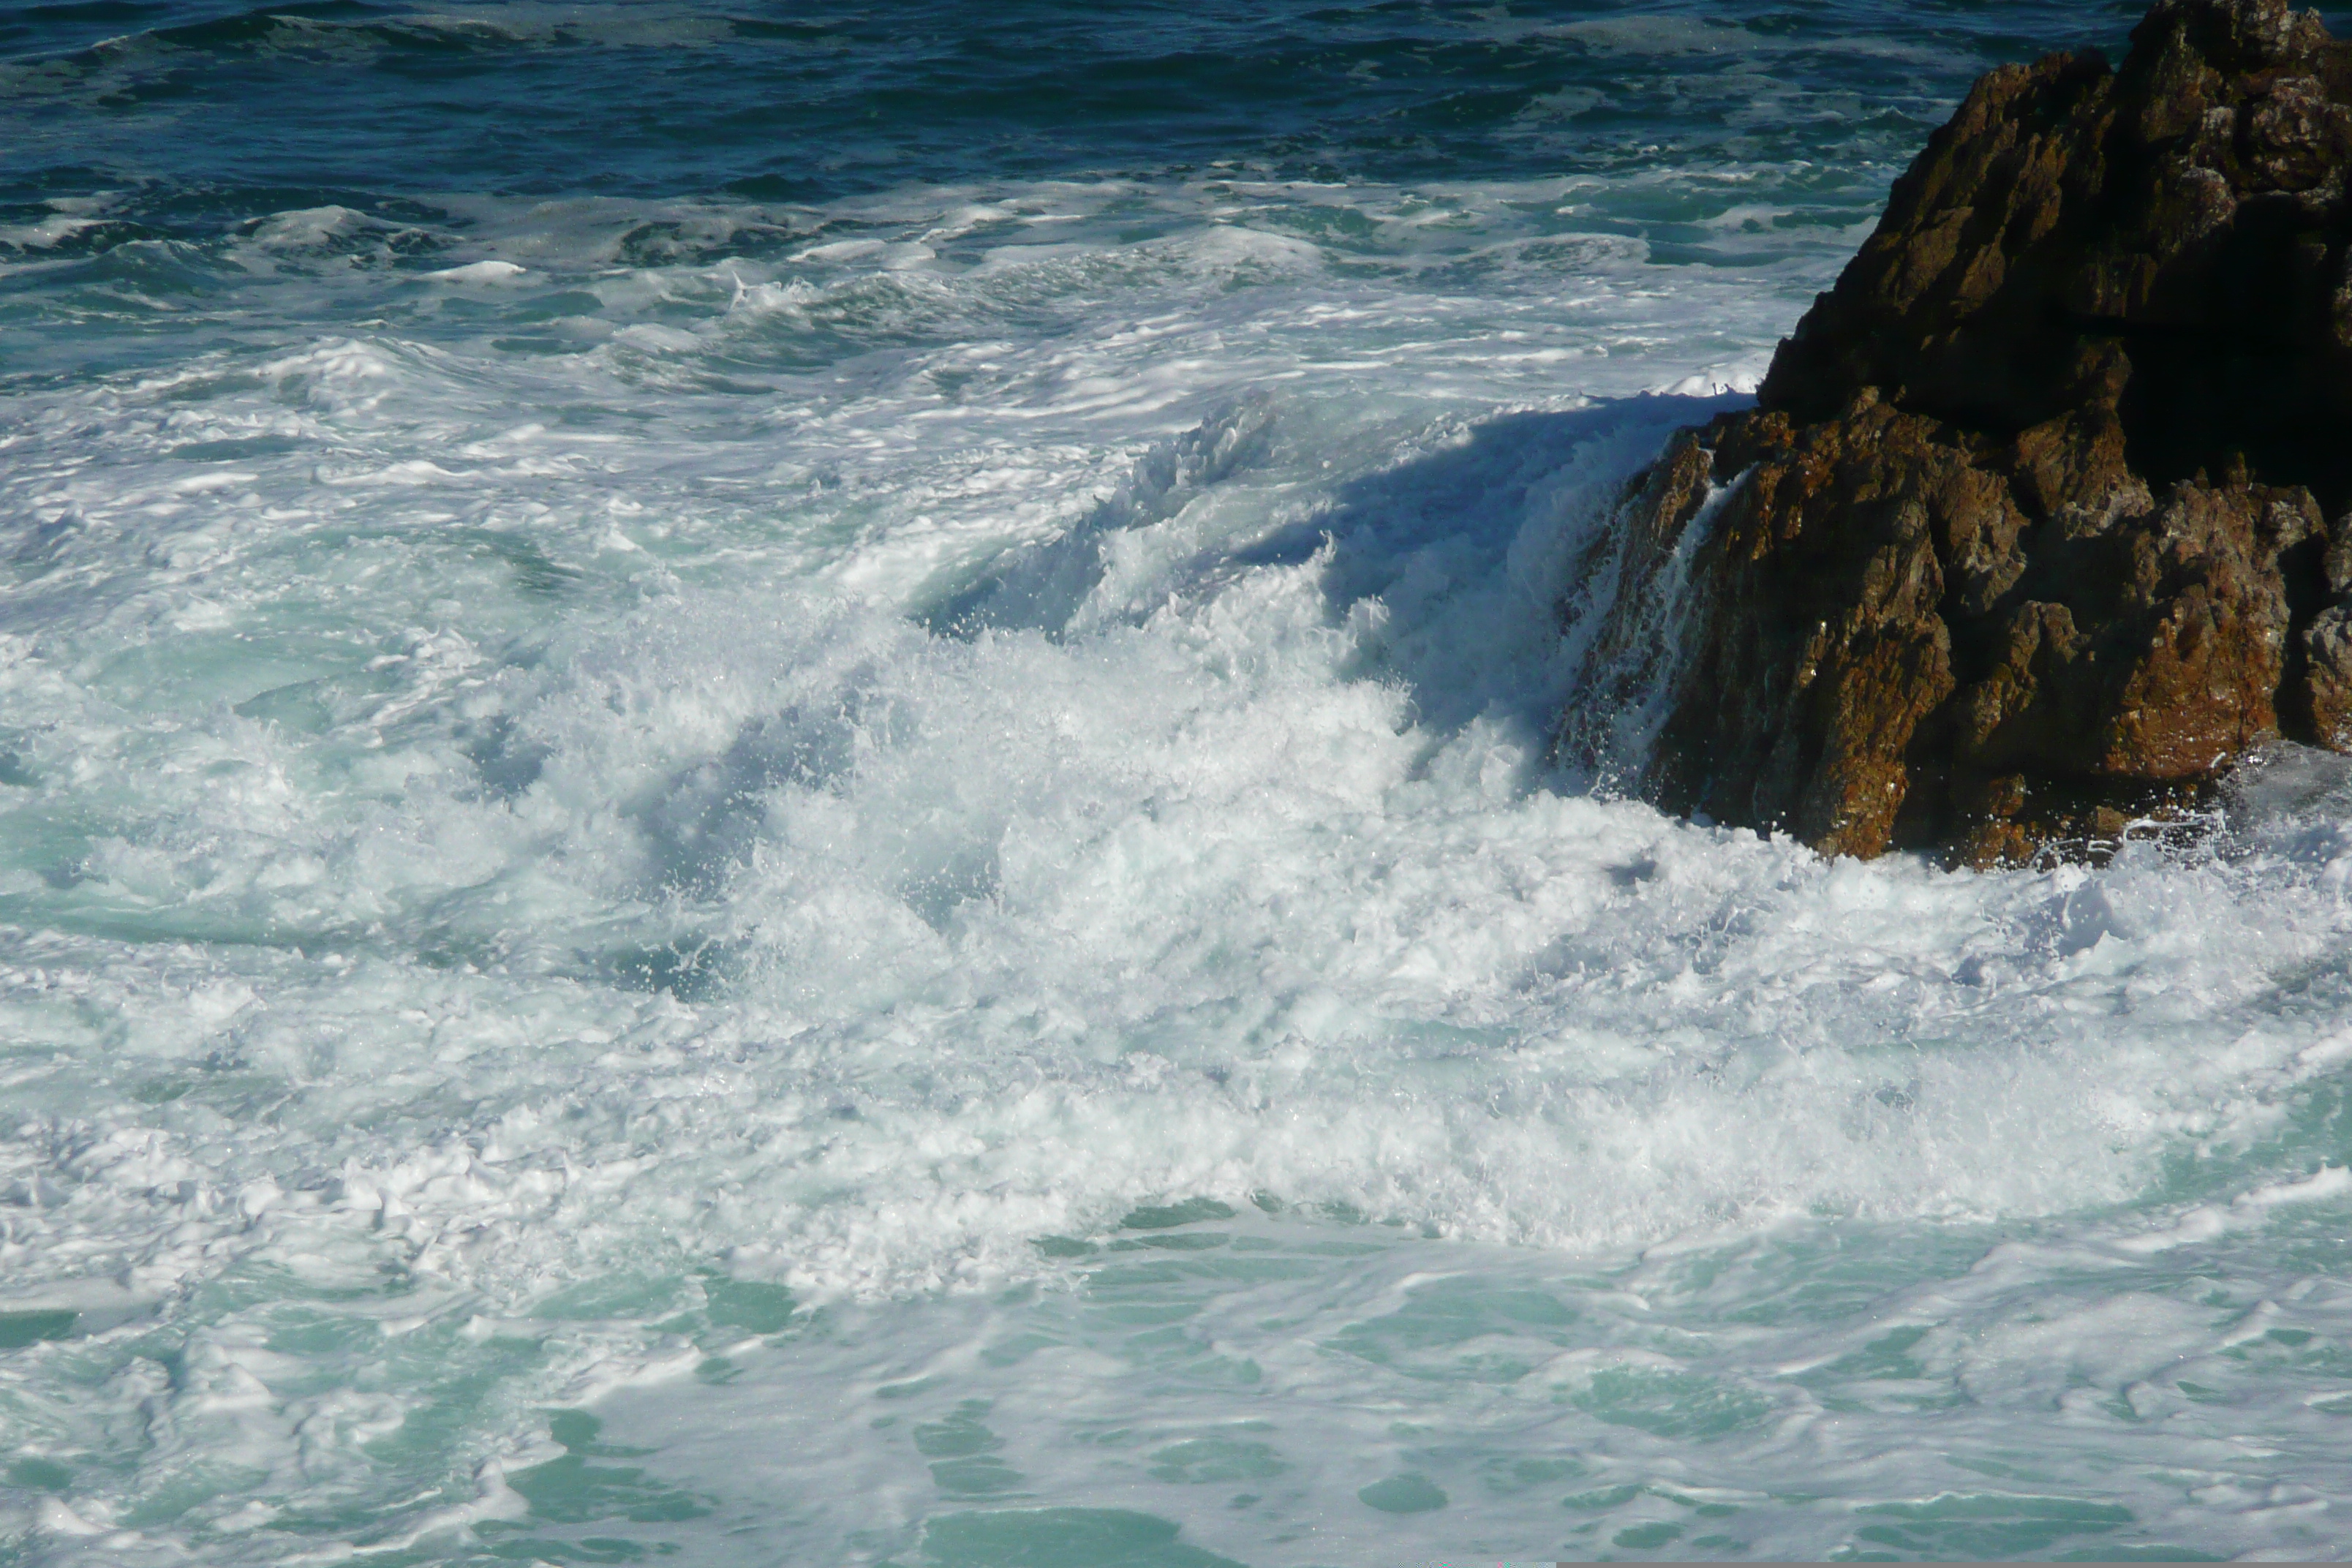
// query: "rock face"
[[2030, 531]]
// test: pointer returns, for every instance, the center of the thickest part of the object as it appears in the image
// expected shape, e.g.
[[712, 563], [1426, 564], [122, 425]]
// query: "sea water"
[[773, 789]]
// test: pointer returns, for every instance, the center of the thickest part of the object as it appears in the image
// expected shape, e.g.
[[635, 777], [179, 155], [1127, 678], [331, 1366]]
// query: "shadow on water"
[[1467, 549], [1451, 560]]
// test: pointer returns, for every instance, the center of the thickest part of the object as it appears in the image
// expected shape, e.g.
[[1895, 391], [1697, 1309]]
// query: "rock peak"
[[2237, 36], [2027, 535]]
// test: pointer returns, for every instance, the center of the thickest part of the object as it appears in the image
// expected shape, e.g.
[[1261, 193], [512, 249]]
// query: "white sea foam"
[[733, 851]]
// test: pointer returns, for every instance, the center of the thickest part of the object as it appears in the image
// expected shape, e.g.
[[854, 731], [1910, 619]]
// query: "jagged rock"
[[2026, 536]]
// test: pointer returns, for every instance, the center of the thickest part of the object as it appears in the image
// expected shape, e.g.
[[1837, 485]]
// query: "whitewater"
[[774, 788]]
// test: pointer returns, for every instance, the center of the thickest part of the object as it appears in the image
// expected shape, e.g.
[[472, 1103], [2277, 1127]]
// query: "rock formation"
[[2030, 531]]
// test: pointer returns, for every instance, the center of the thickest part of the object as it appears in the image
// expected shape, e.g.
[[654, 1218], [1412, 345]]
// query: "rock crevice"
[[2029, 532]]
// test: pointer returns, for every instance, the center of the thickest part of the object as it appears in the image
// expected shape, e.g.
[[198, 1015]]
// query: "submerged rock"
[[2039, 521]]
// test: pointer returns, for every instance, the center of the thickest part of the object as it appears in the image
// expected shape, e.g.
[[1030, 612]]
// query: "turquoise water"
[[772, 791]]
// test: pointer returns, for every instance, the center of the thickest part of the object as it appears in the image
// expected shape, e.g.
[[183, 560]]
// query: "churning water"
[[772, 790]]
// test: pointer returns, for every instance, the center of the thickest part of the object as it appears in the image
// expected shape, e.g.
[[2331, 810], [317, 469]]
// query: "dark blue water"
[[220, 105]]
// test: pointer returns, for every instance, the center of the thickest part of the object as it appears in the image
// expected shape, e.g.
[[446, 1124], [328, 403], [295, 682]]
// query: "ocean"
[[774, 790]]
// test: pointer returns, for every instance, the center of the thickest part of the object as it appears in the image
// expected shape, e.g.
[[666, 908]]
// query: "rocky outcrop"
[[2039, 521]]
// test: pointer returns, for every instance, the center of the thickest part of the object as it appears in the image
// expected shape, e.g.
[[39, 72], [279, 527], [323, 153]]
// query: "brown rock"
[[2024, 540]]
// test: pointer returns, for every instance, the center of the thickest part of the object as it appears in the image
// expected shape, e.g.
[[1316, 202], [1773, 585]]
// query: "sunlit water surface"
[[772, 790]]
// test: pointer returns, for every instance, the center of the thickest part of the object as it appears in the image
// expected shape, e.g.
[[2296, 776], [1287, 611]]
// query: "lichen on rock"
[[2029, 532]]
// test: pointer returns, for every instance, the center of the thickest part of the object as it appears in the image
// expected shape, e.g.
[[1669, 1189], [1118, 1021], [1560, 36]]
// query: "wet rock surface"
[[2041, 521]]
